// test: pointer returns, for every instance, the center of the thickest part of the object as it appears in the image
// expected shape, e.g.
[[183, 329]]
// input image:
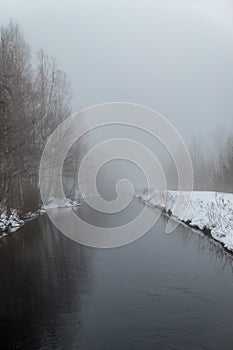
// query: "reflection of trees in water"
[[218, 255], [43, 275]]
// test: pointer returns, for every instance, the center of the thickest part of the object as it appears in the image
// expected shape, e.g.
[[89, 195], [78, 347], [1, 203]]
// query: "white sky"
[[173, 55]]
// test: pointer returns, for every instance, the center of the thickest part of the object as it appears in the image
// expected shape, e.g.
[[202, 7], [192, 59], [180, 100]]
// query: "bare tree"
[[33, 102]]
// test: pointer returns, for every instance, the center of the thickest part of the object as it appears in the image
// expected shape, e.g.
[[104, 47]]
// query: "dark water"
[[160, 292]]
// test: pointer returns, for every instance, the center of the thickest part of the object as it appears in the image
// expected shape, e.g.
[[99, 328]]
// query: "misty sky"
[[174, 56]]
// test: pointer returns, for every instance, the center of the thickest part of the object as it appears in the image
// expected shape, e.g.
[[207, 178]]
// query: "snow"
[[57, 203], [12, 221], [208, 211]]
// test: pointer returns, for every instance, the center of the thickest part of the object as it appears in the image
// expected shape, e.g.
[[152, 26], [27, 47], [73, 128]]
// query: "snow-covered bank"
[[211, 212], [9, 223], [12, 222], [57, 203]]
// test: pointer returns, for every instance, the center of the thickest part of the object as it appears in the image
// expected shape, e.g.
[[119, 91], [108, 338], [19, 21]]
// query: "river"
[[161, 292]]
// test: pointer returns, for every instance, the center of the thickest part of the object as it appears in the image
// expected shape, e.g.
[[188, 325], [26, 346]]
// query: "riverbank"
[[11, 221], [210, 212]]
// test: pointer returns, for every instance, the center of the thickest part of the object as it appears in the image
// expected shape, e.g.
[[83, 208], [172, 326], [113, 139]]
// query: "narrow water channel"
[[161, 292]]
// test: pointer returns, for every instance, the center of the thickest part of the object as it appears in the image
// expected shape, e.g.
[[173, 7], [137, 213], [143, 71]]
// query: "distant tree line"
[[33, 102], [213, 173], [223, 175]]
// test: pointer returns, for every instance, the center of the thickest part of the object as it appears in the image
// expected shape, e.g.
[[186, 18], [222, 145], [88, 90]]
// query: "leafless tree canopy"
[[33, 101]]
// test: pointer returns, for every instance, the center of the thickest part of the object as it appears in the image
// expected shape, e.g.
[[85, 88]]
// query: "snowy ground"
[[56, 203], [208, 211], [12, 221]]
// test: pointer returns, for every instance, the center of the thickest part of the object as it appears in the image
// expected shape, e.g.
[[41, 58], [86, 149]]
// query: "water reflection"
[[43, 276], [206, 246], [160, 292]]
